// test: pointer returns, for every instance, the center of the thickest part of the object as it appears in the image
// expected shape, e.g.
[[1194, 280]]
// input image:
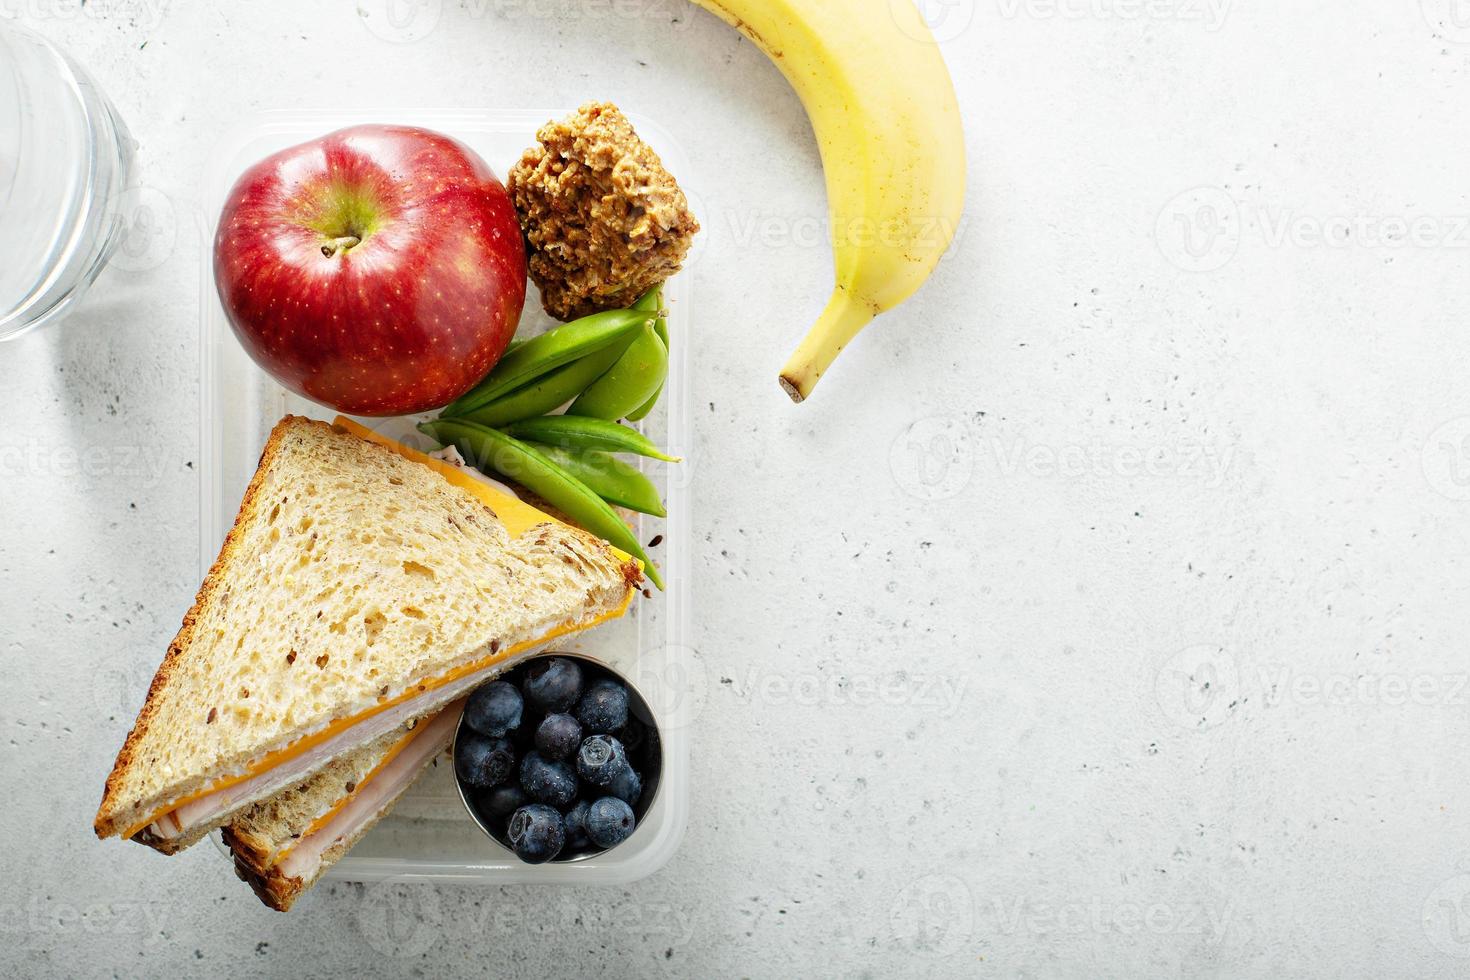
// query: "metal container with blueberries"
[[558, 759]]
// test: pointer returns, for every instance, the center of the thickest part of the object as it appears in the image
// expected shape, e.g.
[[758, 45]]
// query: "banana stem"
[[834, 329]]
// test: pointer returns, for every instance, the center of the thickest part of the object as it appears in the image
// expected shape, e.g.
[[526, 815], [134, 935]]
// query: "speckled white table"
[[1105, 615]]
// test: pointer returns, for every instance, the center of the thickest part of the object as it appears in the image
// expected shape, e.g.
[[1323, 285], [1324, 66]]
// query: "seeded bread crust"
[[275, 889], [573, 569], [110, 821], [254, 845], [252, 866]]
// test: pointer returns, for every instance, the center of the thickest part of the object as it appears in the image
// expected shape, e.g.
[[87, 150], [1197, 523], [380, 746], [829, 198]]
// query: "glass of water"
[[65, 160]]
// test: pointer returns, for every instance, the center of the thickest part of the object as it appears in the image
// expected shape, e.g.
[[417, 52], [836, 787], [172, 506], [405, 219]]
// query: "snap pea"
[[549, 391], [543, 354], [634, 378], [607, 476], [660, 327], [628, 383], [565, 383], [651, 301], [576, 432], [513, 459]]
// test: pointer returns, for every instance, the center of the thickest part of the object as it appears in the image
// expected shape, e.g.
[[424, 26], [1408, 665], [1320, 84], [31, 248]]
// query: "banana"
[[885, 115]]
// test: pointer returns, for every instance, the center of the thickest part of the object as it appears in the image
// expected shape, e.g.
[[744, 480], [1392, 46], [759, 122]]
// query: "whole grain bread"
[[352, 575], [262, 834]]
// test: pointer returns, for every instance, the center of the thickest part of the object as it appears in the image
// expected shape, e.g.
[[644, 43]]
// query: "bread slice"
[[355, 584], [281, 846], [262, 835]]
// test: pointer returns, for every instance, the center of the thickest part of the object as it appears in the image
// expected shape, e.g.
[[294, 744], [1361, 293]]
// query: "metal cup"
[[647, 758]]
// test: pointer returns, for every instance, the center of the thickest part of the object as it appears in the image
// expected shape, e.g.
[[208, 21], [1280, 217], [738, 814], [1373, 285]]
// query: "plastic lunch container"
[[428, 836]]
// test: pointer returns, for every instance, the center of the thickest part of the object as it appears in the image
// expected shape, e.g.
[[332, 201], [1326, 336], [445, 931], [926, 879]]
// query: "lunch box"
[[428, 836]]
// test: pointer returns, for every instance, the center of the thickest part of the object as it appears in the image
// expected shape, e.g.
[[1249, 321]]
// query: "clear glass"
[[65, 161]]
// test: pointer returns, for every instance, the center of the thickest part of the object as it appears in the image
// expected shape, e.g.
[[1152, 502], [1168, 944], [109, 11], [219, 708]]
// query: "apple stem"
[[337, 246]]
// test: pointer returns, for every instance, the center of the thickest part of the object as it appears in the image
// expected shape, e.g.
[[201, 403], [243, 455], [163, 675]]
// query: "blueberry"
[[604, 708], [548, 781], [626, 786], [558, 736], [600, 759], [536, 833], [502, 801], [483, 762], [553, 684], [609, 821], [575, 822], [494, 709]]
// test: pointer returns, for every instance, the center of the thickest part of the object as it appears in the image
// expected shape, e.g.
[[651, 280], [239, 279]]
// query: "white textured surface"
[[949, 612]]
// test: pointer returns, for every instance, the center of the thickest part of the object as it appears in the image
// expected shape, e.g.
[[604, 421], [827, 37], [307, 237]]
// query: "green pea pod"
[[543, 354], [642, 412], [661, 327], [613, 480], [576, 432], [554, 390], [491, 449], [550, 391], [628, 383], [651, 301]]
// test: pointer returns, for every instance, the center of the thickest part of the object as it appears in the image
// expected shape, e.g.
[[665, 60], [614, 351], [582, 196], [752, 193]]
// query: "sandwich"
[[363, 586], [282, 845]]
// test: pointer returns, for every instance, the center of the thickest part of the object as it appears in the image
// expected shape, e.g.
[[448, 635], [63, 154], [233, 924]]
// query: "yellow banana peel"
[[884, 111]]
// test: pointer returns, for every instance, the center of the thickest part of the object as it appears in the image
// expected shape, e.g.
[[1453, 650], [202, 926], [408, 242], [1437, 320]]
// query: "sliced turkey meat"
[[217, 806], [371, 796]]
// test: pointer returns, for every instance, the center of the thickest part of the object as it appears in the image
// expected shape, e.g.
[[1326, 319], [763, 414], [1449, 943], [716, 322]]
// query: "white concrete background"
[[1147, 516]]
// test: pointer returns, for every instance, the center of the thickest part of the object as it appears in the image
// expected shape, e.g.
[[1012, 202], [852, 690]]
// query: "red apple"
[[378, 270]]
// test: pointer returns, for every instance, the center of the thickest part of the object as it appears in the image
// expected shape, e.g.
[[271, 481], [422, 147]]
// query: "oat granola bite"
[[604, 221]]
